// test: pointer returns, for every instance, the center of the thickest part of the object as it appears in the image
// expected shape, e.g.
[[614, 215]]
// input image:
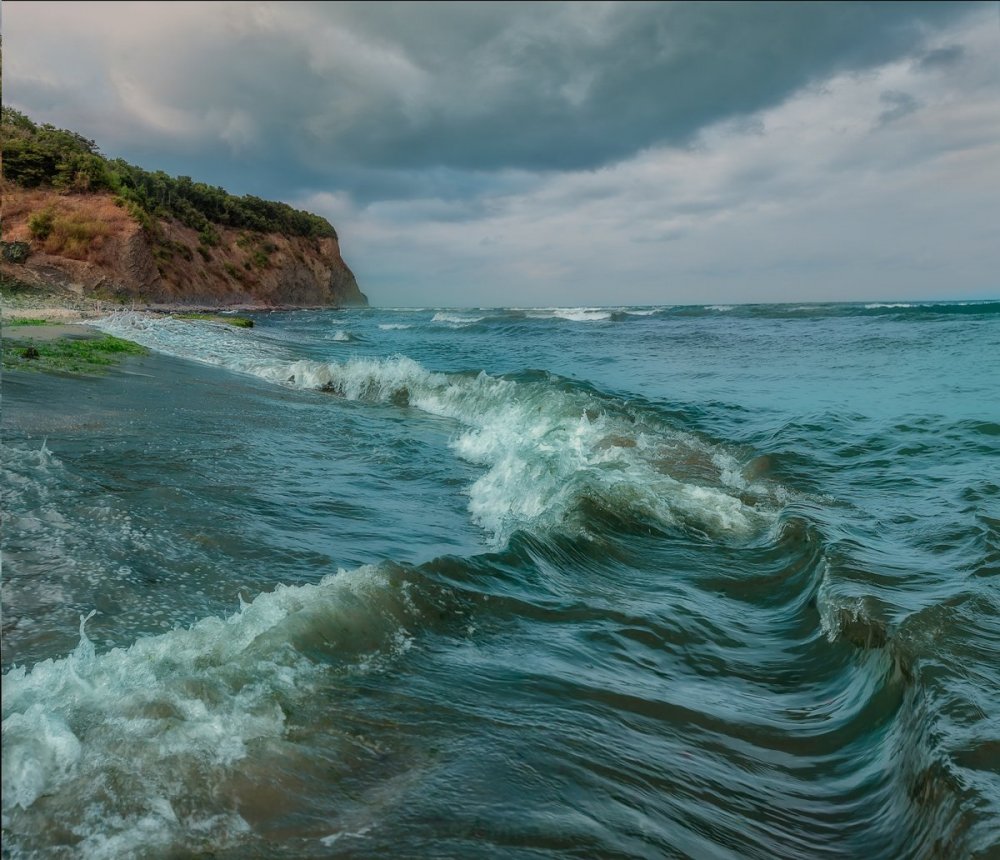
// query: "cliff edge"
[[91, 246], [74, 221]]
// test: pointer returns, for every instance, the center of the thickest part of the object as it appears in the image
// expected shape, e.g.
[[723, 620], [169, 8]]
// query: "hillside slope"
[[75, 221]]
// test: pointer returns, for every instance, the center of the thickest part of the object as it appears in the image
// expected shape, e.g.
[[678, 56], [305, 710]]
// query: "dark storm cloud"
[[310, 92], [545, 87]]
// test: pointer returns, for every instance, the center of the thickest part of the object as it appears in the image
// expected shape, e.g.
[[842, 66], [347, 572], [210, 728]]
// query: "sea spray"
[[162, 724]]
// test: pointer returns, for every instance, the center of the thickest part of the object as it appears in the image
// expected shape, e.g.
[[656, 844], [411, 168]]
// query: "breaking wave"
[[551, 449], [167, 727]]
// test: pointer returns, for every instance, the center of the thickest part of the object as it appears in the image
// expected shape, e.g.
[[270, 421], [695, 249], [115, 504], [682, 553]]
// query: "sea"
[[710, 581]]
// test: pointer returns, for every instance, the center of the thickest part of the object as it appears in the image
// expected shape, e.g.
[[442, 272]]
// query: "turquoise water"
[[581, 582]]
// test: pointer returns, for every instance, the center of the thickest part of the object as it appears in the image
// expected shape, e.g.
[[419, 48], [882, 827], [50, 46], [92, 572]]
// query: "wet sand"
[[49, 332]]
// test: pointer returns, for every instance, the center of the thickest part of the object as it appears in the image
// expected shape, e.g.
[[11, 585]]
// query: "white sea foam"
[[571, 314], [720, 308], [877, 305], [342, 336], [546, 449], [161, 727], [394, 326], [80, 535], [455, 319]]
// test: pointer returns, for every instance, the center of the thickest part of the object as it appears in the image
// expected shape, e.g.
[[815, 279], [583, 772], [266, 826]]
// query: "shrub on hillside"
[[40, 224]]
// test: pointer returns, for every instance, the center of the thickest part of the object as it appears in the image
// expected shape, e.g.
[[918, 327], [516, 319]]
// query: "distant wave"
[[394, 326], [571, 314], [455, 319]]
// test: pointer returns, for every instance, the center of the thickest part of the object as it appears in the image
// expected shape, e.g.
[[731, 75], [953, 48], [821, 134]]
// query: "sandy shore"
[[50, 332], [52, 314], [71, 312]]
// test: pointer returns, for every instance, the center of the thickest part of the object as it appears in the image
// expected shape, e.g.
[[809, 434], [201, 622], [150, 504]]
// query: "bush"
[[40, 224], [71, 234], [15, 252], [208, 236]]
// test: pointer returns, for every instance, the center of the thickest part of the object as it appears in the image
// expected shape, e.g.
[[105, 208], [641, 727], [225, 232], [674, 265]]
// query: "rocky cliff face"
[[87, 244]]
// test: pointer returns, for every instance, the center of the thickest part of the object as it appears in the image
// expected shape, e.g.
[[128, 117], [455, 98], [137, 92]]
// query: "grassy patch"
[[71, 234], [68, 355], [239, 322], [24, 321]]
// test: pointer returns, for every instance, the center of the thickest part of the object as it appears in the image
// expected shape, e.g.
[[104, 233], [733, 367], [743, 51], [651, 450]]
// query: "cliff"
[[91, 245], [76, 221]]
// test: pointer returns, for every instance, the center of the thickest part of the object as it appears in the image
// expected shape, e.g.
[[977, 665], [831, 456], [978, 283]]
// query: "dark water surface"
[[639, 582]]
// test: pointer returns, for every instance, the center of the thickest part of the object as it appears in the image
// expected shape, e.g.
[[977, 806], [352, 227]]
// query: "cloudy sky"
[[564, 153]]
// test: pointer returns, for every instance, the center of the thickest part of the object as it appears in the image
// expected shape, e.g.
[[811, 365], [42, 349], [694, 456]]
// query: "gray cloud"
[[538, 153], [942, 58], [898, 105], [311, 92]]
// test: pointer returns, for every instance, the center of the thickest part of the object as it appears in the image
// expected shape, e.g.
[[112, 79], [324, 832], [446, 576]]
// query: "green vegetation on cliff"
[[44, 156]]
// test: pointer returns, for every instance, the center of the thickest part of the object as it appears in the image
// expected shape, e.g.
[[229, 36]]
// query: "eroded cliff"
[[89, 244]]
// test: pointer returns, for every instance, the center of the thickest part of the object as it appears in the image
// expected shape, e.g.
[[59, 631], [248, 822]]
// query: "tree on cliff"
[[42, 155]]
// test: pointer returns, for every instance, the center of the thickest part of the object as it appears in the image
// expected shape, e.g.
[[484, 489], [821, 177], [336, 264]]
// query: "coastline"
[[53, 333], [68, 309], [79, 311]]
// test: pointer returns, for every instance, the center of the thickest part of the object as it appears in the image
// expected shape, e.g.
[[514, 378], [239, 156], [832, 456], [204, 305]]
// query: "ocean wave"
[[163, 726], [549, 448], [455, 319], [394, 326], [571, 314]]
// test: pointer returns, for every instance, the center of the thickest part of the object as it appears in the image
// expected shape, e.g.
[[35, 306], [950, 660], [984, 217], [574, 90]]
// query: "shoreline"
[[76, 310]]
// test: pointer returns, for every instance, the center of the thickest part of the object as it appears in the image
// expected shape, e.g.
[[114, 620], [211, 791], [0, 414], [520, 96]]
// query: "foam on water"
[[159, 726], [549, 449], [59, 523], [455, 319], [572, 314], [394, 326]]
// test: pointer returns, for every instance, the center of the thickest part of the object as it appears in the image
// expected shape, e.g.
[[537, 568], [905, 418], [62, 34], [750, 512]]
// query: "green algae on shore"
[[239, 322], [25, 321], [67, 354]]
